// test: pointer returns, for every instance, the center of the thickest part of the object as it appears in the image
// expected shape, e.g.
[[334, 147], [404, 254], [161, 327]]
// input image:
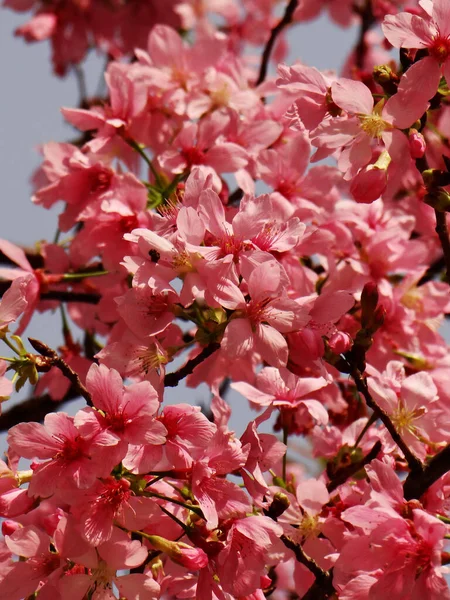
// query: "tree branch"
[[60, 295], [34, 409], [57, 361], [413, 462], [442, 231], [286, 20], [417, 483], [345, 473], [173, 379], [36, 260], [367, 20], [323, 586]]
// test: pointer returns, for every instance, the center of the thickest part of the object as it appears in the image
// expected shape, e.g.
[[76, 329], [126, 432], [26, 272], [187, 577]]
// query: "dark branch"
[[35, 259], [34, 409], [346, 472], [68, 296], [442, 231], [324, 581], [413, 462], [173, 379], [57, 361], [286, 20], [60, 295], [433, 271], [367, 20], [417, 483]]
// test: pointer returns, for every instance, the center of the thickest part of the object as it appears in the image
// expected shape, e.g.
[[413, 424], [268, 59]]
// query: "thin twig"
[[34, 408], [60, 295], [417, 483], [442, 231], [286, 20], [82, 89], [367, 20], [413, 462], [324, 581], [65, 369], [173, 379], [345, 473]]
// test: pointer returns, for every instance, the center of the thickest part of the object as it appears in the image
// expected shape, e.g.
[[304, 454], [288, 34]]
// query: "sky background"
[[30, 101]]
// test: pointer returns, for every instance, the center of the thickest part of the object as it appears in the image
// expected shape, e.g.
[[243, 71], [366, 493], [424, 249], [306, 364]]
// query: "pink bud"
[[340, 342], [368, 185], [9, 527], [417, 144], [265, 582], [192, 558], [306, 342]]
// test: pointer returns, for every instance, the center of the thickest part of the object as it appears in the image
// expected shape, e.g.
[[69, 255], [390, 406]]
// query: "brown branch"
[[323, 586], [285, 20], [69, 296], [173, 379], [36, 260], [413, 462], [60, 295], [56, 361], [442, 231], [34, 409], [367, 20], [433, 270], [346, 472], [417, 483]]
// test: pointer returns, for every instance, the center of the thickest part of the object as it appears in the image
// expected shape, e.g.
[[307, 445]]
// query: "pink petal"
[[82, 119], [16, 254], [441, 16], [106, 387], [353, 96], [271, 345], [406, 31], [253, 394], [28, 541], [238, 338]]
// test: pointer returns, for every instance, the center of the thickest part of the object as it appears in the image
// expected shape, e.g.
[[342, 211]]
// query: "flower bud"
[[439, 199], [340, 342], [9, 527], [368, 185], [280, 504], [417, 144], [187, 556], [305, 343]]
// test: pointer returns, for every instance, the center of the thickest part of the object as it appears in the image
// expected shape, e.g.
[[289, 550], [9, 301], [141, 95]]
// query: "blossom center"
[[257, 311], [267, 237], [115, 493], [440, 49], [403, 418], [221, 96], [373, 125], [71, 449], [194, 156]]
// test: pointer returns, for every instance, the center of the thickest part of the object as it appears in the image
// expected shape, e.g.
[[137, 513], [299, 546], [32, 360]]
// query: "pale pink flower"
[[407, 30], [71, 458], [218, 497], [282, 389], [252, 543], [108, 502], [265, 317], [41, 567], [127, 412], [414, 410]]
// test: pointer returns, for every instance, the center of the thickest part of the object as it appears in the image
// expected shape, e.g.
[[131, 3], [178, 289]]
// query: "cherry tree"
[[319, 302]]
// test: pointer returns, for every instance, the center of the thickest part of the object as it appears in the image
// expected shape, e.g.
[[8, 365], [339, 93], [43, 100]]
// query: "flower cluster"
[[320, 302]]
